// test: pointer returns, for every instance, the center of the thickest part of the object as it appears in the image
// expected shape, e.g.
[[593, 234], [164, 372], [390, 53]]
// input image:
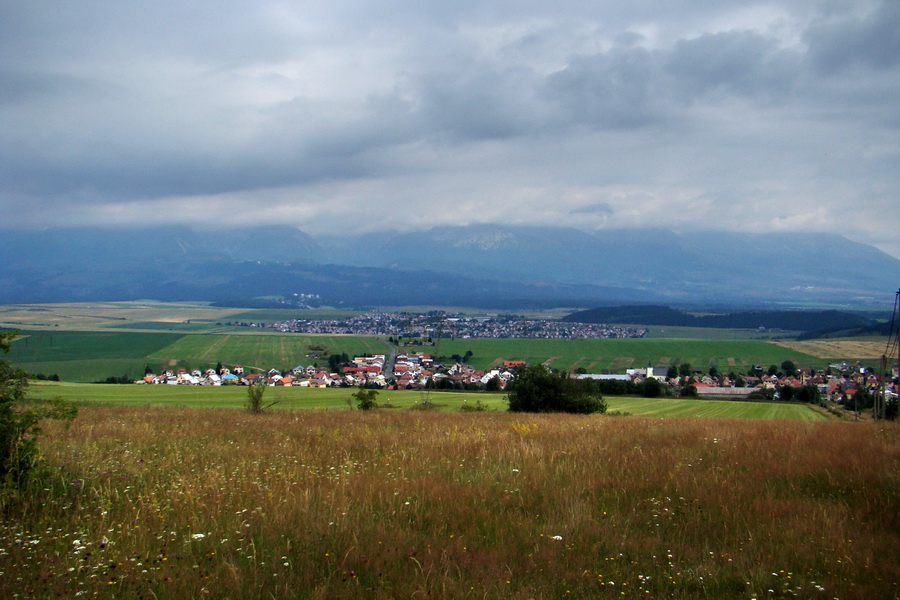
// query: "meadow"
[[90, 342], [148, 502], [86, 356], [298, 399], [616, 355]]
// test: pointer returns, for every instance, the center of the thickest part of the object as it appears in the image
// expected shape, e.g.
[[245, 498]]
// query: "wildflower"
[[557, 537], [198, 536]]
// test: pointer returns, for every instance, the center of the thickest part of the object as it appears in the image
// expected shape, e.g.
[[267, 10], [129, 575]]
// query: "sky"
[[339, 116]]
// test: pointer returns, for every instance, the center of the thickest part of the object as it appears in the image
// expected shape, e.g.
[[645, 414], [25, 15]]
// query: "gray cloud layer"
[[338, 115]]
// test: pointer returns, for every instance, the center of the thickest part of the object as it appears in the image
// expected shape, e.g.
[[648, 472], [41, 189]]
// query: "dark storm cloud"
[[612, 89], [742, 63], [872, 41]]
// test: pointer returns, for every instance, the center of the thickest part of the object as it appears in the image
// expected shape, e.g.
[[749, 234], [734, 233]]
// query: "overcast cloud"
[[348, 116]]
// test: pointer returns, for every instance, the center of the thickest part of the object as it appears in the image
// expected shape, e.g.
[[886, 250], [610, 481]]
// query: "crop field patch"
[[103, 315], [85, 356], [615, 355], [152, 316], [264, 351], [840, 349], [621, 363]]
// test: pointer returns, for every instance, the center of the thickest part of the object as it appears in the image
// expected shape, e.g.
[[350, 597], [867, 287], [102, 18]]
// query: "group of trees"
[[537, 388], [787, 369]]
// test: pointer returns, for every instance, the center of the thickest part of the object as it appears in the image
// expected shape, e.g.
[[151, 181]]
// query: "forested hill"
[[806, 321]]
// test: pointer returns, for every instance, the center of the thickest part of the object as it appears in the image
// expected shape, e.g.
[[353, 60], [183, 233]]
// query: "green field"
[[617, 355], [296, 398], [261, 351], [85, 356]]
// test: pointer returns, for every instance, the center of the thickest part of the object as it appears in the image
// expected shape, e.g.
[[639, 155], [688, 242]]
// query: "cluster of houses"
[[418, 370], [440, 325], [410, 371], [298, 376], [839, 383]]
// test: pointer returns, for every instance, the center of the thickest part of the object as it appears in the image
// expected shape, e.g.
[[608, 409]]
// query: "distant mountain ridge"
[[730, 267], [491, 266], [804, 321]]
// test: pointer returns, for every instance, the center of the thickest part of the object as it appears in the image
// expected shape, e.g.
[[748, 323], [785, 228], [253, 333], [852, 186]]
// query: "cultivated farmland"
[[187, 503], [616, 355], [94, 356]]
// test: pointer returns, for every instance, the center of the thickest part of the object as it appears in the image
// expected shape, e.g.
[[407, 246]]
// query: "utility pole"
[[893, 344]]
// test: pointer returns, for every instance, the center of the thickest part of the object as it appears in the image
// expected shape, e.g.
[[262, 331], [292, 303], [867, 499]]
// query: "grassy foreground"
[[186, 503]]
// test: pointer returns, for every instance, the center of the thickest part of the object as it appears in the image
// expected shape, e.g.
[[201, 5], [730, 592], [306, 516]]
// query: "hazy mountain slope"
[[725, 266], [160, 246], [485, 265], [92, 264]]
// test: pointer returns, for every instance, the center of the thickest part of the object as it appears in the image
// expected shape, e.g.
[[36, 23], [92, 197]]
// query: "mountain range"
[[489, 266]]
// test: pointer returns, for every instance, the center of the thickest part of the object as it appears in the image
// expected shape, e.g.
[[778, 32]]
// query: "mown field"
[[293, 399], [146, 502], [616, 355]]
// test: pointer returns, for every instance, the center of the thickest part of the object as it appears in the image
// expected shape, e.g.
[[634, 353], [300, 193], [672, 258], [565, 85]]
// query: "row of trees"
[[787, 369]]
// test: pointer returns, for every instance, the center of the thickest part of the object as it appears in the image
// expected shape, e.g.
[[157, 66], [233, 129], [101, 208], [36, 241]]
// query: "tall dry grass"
[[162, 503]]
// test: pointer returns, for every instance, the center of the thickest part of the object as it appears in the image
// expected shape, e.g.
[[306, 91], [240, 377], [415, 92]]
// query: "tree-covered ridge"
[[789, 320]]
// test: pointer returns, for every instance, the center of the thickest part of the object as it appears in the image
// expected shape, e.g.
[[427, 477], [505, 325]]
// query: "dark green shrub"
[[254, 399], [20, 425], [689, 391], [538, 389], [365, 399]]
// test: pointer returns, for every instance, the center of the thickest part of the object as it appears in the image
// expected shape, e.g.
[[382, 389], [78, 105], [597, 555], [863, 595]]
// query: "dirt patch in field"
[[839, 349], [580, 360], [620, 363], [664, 361]]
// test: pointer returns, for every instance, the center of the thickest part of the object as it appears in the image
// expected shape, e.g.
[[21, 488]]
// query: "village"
[[842, 383], [439, 324]]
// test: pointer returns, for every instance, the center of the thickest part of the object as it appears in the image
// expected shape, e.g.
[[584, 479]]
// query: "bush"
[[689, 391], [538, 389], [254, 399], [652, 388], [20, 426], [479, 406], [365, 399]]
